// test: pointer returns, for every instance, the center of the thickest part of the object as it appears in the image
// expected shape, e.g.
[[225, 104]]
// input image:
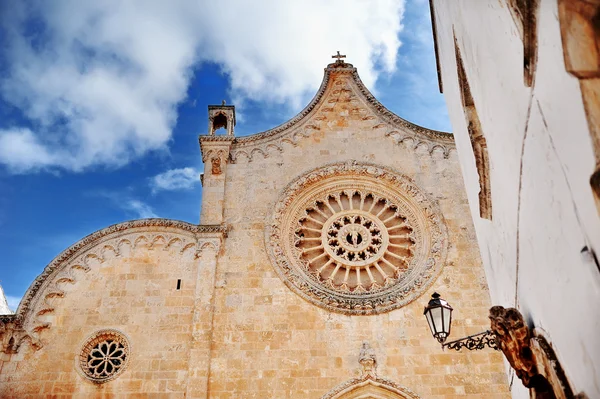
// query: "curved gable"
[[115, 241], [342, 88]]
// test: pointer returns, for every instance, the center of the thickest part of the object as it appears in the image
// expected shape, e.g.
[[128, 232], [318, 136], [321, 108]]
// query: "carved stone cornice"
[[435, 136], [77, 256], [207, 138], [210, 144], [299, 126]]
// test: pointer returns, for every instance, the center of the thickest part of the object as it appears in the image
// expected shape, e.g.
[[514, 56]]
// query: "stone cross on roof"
[[339, 58]]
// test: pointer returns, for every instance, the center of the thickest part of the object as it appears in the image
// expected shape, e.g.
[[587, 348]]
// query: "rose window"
[[354, 241], [356, 238], [104, 356]]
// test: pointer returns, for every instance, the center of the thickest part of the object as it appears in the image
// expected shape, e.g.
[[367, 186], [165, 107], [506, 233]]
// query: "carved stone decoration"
[[356, 238], [104, 356], [368, 360], [216, 166], [369, 385], [13, 335], [478, 141], [341, 85], [39, 303], [530, 355], [513, 339]]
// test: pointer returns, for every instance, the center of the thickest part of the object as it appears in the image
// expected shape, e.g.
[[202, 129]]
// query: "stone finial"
[[368, 360]]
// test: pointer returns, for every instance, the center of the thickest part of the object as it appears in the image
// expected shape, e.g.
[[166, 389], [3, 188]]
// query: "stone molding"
[[369, 383], [88, 346], [25, 324], [429, 231], [308, 120], [390, 388], [215, 144]]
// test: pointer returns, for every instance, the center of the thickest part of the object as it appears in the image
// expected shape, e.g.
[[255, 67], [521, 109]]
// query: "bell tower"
[[221, 116], [215, 155]]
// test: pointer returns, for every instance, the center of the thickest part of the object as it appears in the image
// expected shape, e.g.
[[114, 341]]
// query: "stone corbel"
[[530, 355], [13, 335]]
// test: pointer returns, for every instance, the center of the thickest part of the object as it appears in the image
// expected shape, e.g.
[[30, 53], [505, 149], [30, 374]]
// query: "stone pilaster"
[[200, 348], [215, 155]]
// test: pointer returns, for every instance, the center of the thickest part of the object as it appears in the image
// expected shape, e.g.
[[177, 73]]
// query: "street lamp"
[[438, 313], [510, 334], [439, 317]]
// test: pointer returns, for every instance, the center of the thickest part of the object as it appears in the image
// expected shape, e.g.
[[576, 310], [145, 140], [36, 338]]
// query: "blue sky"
[[101, 103]]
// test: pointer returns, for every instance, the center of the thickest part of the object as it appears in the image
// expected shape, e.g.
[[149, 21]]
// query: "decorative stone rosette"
[[104, 356], [356, 238]]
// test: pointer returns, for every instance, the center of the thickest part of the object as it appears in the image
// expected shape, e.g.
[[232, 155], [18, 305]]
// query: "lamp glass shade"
[[439, 317], [446, 319]]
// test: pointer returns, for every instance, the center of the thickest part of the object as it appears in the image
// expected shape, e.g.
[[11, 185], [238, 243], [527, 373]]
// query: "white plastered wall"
[[541, 159]]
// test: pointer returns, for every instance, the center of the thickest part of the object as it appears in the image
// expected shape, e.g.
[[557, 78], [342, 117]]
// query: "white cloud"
[[175, 179], [126, 202], [100, 84], [141, 209], [21, 149]]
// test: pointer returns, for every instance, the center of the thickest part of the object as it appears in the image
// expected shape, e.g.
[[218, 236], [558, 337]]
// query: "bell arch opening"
[[219, 122]]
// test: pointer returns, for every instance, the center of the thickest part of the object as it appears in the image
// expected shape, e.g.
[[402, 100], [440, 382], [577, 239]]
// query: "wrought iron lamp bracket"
[[474, 342]]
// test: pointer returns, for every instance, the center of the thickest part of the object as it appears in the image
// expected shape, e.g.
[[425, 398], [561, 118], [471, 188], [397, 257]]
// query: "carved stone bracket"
[[530, 355], [513, 338], [13, 335]]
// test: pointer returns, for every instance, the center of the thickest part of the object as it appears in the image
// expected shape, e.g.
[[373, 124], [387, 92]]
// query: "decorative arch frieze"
[[115, 241], [341, 85]]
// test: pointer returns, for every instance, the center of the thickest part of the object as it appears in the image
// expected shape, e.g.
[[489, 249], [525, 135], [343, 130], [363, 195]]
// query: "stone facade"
[[210, 311], [530, 73]]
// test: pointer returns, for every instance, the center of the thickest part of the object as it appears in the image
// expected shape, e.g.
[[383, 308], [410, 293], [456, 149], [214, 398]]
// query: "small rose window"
[[104, 355]]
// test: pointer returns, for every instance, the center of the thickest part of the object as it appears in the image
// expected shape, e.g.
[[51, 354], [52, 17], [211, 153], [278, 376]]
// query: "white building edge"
[[522, 84]]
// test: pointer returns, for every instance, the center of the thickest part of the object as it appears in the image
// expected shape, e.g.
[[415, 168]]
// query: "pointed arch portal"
[[370, 388]]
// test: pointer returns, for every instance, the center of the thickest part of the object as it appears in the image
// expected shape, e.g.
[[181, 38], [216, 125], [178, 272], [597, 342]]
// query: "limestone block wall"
[[541, 158], [126, 281], [234, 329], [270, 343]]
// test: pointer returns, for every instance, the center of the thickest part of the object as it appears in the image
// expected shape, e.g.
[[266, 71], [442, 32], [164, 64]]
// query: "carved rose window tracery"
[[355, 241], [104, 356], [356, 238]]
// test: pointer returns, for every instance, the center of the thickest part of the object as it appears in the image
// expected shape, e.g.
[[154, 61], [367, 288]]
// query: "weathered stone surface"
[[542, 143], [234, 329]]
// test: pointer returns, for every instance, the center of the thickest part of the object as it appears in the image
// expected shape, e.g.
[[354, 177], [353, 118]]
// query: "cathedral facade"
[[319, 244]]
